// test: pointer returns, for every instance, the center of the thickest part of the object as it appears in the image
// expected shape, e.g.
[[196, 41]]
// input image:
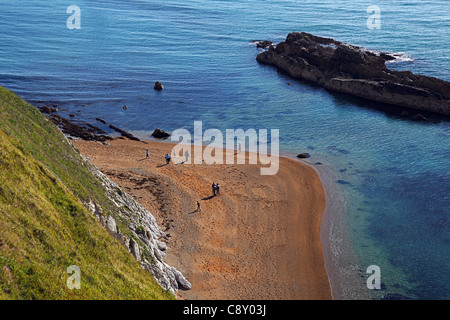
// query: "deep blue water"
[[392, 173]]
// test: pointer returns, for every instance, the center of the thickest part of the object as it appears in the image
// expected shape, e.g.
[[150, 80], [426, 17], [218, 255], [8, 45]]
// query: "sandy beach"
[[260, 239]]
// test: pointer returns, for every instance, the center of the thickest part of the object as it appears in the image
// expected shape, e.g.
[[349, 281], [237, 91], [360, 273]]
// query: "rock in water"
[[262, 43], [47, 109], [349, 69], [160, 134], [303, 155], [158, 86]]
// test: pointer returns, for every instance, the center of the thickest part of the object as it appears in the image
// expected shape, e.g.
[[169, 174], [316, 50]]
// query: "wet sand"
[[260, 239]]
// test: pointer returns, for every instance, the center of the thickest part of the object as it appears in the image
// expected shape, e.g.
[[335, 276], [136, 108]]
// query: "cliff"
[[349, 69], [57, 210]]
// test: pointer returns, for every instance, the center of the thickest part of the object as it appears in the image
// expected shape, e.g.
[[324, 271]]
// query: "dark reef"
[[341, 67]]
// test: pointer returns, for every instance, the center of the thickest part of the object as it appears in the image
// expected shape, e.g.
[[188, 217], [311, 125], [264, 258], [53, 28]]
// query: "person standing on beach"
[[240, 148], [167, 158], [214, 189], [146, 153], [218, 189], [198, 207]]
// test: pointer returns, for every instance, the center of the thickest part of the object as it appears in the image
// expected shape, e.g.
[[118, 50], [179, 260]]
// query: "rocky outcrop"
[[262, 43], [303, 155], [140, 234], [83, 131], [160, 134], [48, 109], [123, 133], [349, 69], [158, 86]]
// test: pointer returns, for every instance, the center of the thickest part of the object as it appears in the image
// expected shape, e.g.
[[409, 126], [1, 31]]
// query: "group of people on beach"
[[167, 157], [215, 186], [216, 192], [216, 189]]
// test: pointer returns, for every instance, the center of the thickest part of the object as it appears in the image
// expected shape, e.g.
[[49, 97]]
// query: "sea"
[[387, 234]]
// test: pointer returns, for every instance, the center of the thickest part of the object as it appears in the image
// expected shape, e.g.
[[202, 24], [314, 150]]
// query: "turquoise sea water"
[[388, 175]]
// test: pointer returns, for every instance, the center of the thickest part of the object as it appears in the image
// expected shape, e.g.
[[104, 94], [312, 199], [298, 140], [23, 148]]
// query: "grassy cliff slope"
[[44, 226]]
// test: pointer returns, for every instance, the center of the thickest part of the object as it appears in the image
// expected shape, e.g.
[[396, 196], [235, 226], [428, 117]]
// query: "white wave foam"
[[399, 57]]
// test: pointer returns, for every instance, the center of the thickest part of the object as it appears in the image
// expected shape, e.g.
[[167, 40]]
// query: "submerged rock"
[[303, 155], [349, 69], [395, 296], [344, 182]]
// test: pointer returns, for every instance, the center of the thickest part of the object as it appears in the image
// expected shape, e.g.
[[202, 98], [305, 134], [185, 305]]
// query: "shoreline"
[[341, 262], [333, 203], [331, 225], [347, 280], [226, 256], [336, 291]]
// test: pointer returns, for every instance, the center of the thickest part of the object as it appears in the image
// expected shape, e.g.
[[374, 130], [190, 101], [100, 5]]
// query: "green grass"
[[44, 227]]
